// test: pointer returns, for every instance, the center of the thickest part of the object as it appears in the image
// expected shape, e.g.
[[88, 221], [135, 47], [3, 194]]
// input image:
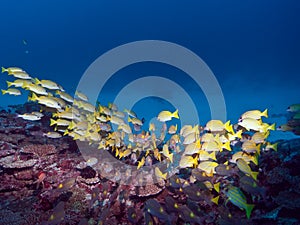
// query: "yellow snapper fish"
[[218, 126], [237, 135], [18, 83], [164, 116], [208, 167], [215, 146], [259, 137], [11, 91], [250, 146], [11, 69], [204, 155], [59, 122], [29, 116], [65, 115], [64, 96], [44, 100], [81, 125], [81, 96], [271, 146], [208, 137], [187, 161], [192, 148], [256, 125], [60, 101], [47, 84], [245, 168], [84, 105], [255, 114], [35, 88], [245, 156], [20, 74], [190, 130], [190, 139], [116, 120], [135, 121]]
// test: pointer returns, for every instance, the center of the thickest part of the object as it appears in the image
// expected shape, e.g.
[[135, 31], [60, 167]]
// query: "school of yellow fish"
[[198, 146]]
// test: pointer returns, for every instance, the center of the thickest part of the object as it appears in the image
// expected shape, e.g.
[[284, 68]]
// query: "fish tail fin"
[[217, 187], [226, 145], [254, 175], [66, 132], [275, 146], [3, 69], [195, 161], [52, 122], [265, 113], [228, 127], [272, 127], [9, 83], [34, 97], [249, 208], [239, 134], [71, 125], [37, 81], [175, 114], [255, 159], [3, 91], [213, 155], [215, 200]]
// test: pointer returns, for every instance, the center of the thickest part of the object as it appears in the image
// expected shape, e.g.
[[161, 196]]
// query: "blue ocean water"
[[252, 48]]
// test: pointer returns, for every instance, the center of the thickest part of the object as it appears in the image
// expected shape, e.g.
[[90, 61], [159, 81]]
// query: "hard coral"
[[39, 150]]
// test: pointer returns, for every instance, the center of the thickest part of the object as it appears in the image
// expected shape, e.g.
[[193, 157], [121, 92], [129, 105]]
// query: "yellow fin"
[[217, 187], [215, 200]]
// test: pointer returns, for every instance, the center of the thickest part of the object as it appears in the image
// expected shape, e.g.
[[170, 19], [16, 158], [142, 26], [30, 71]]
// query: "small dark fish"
[[58, 214], [153, 207], [188, 215], [193, 192], [198, 174], [94, 196], [171, 204], [194, 206], [226, 170], [132, 215], [148, 219], [249, 185]]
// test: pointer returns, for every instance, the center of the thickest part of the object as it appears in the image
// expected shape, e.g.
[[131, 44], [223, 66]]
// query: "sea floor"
[[47, 181]]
